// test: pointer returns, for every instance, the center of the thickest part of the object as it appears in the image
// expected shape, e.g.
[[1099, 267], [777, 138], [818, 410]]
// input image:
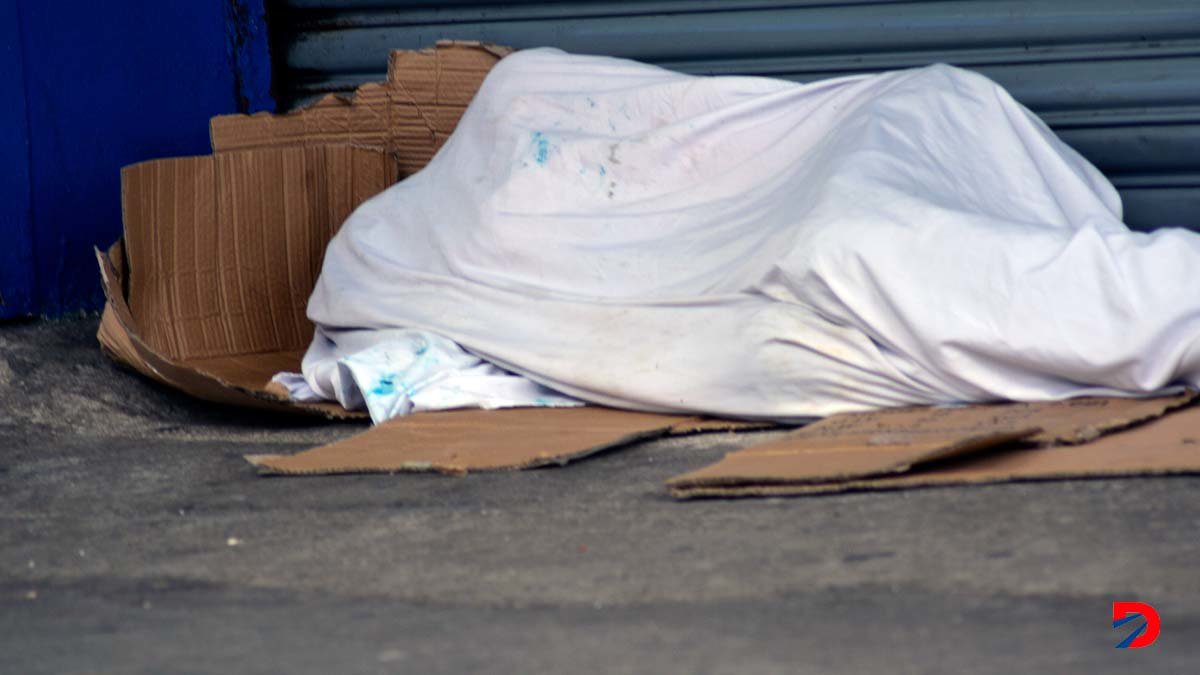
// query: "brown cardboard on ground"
[[1166, 446], [923, 446], [459, 441]]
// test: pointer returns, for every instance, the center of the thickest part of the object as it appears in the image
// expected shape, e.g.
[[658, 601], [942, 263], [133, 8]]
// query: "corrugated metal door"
[[1117, 79]]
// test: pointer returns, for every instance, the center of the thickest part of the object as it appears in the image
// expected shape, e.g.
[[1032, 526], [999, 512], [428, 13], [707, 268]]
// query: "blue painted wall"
[[99, 85], [16, 238]]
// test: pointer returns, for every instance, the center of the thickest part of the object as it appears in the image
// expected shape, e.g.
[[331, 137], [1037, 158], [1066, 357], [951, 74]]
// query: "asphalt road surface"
[[135, 539]]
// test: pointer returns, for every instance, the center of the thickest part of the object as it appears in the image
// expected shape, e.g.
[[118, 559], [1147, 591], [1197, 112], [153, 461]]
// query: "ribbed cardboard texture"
[[410, 115], [207, 290], [914, 446], [460, 441]]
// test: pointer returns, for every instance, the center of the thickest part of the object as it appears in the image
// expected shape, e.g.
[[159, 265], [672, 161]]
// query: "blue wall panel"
[[16, 236], [109, 84]]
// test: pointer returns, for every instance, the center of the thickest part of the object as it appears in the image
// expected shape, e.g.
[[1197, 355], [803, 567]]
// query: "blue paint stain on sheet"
[[591, 102], [603, 171], [541, 147], [386, 386]]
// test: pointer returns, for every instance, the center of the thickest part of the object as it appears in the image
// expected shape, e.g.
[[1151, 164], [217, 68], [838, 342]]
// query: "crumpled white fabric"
[[406, 371], [757, 248]]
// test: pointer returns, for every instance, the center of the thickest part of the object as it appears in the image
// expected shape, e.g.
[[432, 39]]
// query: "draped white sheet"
[[758, 248]]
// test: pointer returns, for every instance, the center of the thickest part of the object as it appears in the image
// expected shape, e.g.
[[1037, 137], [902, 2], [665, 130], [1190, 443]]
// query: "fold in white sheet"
[[412, 371], [759, 248]]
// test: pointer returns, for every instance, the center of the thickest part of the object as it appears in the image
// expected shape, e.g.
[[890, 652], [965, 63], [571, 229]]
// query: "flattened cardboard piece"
[[874, 445], [460, 441], [207, 290], [1162, 447], [410, 115]]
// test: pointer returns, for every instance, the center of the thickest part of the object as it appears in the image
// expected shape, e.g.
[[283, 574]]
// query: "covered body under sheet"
[[758, 248]]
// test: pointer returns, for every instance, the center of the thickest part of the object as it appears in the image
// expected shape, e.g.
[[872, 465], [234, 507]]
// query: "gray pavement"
[[119, 502]]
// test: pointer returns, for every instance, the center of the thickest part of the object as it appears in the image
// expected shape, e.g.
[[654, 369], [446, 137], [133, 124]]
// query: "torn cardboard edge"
[[410, 114], [910, 447], [461, 441]]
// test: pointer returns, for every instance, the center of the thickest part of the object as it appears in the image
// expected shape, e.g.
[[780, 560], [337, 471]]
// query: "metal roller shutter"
[[1119, 80]]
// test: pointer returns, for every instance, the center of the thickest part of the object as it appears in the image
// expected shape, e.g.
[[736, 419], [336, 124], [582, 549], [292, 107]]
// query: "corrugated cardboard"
[[1167, 446], [459, 441], [207, 290], [410, 115], [922, 446]]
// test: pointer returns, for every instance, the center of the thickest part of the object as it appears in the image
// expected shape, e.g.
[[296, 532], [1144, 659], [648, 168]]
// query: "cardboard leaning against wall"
[[206, 291]]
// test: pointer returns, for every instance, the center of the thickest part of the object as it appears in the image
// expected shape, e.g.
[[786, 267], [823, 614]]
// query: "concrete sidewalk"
[[135, 539]]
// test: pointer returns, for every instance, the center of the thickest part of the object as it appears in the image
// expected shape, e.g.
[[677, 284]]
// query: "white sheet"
[[763, 249]]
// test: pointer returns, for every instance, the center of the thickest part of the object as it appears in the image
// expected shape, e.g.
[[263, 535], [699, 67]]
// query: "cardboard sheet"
[[207, 290], [895, 448], [1166, 446], [461, 441], [410, 115]]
